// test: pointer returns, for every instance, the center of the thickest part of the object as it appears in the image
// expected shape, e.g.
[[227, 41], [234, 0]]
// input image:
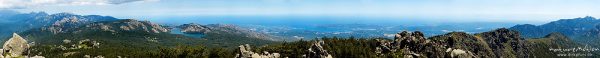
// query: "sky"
[[431, 10]]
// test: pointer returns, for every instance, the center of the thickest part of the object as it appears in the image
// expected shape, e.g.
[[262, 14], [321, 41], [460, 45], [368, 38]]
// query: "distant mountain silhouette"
[[581, 30], [569, 27]]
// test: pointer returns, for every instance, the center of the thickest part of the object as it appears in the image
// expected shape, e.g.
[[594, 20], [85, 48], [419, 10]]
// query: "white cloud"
[[15, 4]]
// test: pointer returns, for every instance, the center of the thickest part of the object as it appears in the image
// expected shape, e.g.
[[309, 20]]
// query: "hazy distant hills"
[[581, 30], [569, 27]]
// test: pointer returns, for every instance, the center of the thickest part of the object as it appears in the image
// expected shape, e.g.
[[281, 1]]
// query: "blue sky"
[[438, 10]]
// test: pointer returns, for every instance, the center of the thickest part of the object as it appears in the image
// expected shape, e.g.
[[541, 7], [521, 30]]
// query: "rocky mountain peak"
[[589, 18], [411, 43], [502, 34], [405, 39], [410, 36]]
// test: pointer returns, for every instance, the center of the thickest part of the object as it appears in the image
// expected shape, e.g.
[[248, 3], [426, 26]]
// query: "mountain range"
[[74, 36], [128, 38]]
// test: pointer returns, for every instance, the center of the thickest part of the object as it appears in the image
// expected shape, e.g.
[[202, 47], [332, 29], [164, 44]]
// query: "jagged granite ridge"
[[501, 43]]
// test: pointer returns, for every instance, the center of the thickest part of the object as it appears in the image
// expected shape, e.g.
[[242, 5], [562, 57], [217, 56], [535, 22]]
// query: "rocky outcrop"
[[246, 52], [414, 41], [461, 41], [193, 28], [317, 51], [411, 43], [458, 53], [15, 46], [506, 43]]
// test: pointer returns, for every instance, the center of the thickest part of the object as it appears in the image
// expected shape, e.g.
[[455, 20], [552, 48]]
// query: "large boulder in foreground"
[[15, 46], [317, 51]]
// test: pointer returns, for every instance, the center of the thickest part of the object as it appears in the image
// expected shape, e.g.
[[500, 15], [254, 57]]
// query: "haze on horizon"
[[521, 11]]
